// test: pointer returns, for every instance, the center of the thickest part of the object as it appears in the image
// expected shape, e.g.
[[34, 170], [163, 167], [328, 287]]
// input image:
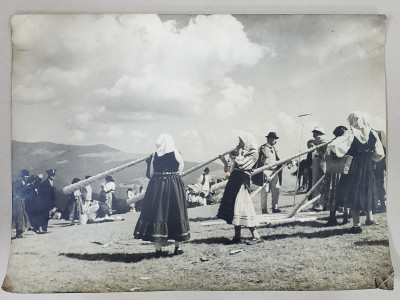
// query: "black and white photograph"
[[198, 152]]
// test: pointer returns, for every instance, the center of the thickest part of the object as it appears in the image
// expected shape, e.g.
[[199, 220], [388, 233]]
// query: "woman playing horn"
[[164, 213], [357, 189], [236, 205]]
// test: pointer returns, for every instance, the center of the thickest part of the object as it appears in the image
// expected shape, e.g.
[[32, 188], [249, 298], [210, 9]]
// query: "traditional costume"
[[44, 202], [236, 204], [164, 212], [75, 203], [21, 193], [358, 188]]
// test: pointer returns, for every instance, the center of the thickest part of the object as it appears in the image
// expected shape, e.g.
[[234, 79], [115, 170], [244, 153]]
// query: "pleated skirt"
[[164, 212], [358, 188]]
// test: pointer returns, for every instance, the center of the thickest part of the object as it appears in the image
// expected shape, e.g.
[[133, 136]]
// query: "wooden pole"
[[191, 170], [290, 220], [135, 199], [81, 184], [218, 186], [253, 194], [297, 206], [283, 161], [72, 187], [308, 203]]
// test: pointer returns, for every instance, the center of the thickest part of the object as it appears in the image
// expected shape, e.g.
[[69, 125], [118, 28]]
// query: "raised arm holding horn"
[[280, 162]]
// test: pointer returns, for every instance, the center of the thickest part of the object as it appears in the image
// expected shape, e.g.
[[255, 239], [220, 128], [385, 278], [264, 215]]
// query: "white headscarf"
[[165, 144], [360, 129], [249, 140], [250, 155], [359, 125]]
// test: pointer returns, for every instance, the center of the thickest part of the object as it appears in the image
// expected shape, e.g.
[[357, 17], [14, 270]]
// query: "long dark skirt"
[[328, 191], [358, 189], [164, 213], [227, 206], [20, 219]]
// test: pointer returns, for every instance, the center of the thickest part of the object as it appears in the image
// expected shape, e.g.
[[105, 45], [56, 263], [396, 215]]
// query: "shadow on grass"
[[211, 240], [307, 235], [372, 243], [310, 235], [111, 257], [312, 224], [202, 219]]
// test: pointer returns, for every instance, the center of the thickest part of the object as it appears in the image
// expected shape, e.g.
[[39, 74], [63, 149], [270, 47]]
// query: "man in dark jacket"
[[45, 202]]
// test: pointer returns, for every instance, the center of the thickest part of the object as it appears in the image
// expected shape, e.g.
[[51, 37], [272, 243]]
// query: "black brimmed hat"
[[272, 134], [51, 172]]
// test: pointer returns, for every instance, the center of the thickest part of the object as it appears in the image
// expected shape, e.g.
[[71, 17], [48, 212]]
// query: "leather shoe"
[[371, 222], [276, 210], [354, 230], [331, 222], [236, 240], [160, 253], [264, 211], [178, 251]]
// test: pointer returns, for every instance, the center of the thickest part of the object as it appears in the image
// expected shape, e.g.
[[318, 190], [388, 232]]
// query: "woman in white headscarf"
[[236, 205], [164, 213], [357, 189]]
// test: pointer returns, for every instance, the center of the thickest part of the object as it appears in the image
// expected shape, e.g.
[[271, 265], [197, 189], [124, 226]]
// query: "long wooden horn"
[[270, 166], [283, 161], [305, 197], [191, 170], [138, 197], [72, 187]]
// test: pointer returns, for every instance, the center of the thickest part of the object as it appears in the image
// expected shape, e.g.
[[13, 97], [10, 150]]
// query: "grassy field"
[[104, 257]]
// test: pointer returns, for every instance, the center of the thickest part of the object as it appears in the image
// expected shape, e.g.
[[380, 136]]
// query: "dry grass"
[[105, 258]]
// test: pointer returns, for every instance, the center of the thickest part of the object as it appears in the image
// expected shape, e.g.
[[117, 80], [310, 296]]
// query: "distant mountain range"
[[78, 161]]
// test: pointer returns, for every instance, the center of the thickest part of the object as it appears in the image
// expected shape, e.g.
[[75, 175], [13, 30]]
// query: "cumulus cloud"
[[234, 98], [132, 62], [122, 79]]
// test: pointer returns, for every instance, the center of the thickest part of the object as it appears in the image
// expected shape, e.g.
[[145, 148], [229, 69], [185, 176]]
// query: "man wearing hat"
[[204, 180], [45, 202], [317, 155], [267, 156]]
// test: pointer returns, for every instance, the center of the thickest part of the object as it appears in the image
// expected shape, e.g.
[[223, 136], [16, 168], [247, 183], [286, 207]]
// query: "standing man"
[[109, 189], [317, 171], [267, 156], [204, 180], [87, 195], [45, 202]]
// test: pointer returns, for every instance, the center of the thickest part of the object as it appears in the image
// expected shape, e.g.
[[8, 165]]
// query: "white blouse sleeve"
[[379, 154], [179, 159], [341, 144]]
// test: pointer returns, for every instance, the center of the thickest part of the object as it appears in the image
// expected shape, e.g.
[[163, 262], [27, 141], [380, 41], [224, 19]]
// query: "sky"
[[122, 80]]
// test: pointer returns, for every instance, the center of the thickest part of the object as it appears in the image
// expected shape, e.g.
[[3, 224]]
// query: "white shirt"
[[109, 187], [88, 190], [206, 184]]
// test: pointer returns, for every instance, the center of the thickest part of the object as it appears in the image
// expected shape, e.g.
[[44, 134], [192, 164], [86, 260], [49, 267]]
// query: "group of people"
[[81, 205], [361, 188], [164, 216], [33, 202], [200, 194]]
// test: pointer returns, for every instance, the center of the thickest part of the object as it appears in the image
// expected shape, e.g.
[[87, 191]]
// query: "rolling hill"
[[78, 161]]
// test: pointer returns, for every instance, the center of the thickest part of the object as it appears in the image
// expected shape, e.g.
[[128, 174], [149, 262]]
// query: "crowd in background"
[[357, 190]]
